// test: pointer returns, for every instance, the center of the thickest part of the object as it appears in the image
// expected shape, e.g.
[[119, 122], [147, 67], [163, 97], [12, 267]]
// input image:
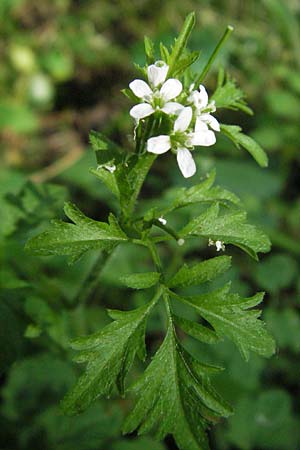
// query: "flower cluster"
[[190, 113]]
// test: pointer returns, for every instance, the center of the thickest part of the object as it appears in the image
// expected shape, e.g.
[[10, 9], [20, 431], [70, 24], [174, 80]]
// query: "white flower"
[[181, 242], [110, 167], [219, 245], [156, 98], [162, 221], [180, 141], [204, 120]]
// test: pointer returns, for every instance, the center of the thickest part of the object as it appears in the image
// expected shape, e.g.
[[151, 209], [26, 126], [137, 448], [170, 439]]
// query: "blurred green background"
[[62, 66]]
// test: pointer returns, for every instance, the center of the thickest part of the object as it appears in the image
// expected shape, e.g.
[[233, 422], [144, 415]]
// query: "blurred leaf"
[[10, 336], [8, 280], [247, 179], [283, 104], [266, 423], [17, 118], [284, 324], [142, 443], [30, 380], [93, 429], [275, 272]]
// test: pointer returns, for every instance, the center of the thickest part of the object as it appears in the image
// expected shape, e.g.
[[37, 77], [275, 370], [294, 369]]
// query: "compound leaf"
[[109, 355], [174, 396]]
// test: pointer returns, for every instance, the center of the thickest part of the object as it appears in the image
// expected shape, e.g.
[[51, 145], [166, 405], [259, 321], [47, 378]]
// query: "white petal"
[[200, 125], [157, 73], [212, 122], [172, 108], [186, 162], [184, 119], [159, 144], [203, 97], [140, 111], [140, 88], [191, 88], [205, 138], [170, 89]]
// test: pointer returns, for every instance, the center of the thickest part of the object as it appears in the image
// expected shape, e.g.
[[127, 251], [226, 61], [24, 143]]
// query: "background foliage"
[[63, 64]]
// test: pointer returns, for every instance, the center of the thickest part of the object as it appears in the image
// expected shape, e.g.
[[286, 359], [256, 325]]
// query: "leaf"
[[275, 272], [149, 50], [75, 239], [228, 95], [185, 61], [17, 118], [256, 423], [203, 192], [164, 52], [106, 151], [8, 280], [108, 179], [233, 132], [180, 43], [284, 324], [136, 178], [229, 228], [109, 355], [200, 272], [174, 396], [10, 336], [140, 280], [196, 330], [229, 316]]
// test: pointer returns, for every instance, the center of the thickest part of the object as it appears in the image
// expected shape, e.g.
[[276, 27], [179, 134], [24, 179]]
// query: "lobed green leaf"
[[233, 132], [200, 272], [75, 239], [231, 228], [228, 95], [109, 355], [140, 280], [174, 396], [229, 316]]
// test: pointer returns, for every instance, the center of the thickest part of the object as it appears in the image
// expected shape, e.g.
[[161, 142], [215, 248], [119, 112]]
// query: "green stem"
[[91, 281], [213, 56], [155, 256], [168, 308], [158, 264], [167, 229]]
